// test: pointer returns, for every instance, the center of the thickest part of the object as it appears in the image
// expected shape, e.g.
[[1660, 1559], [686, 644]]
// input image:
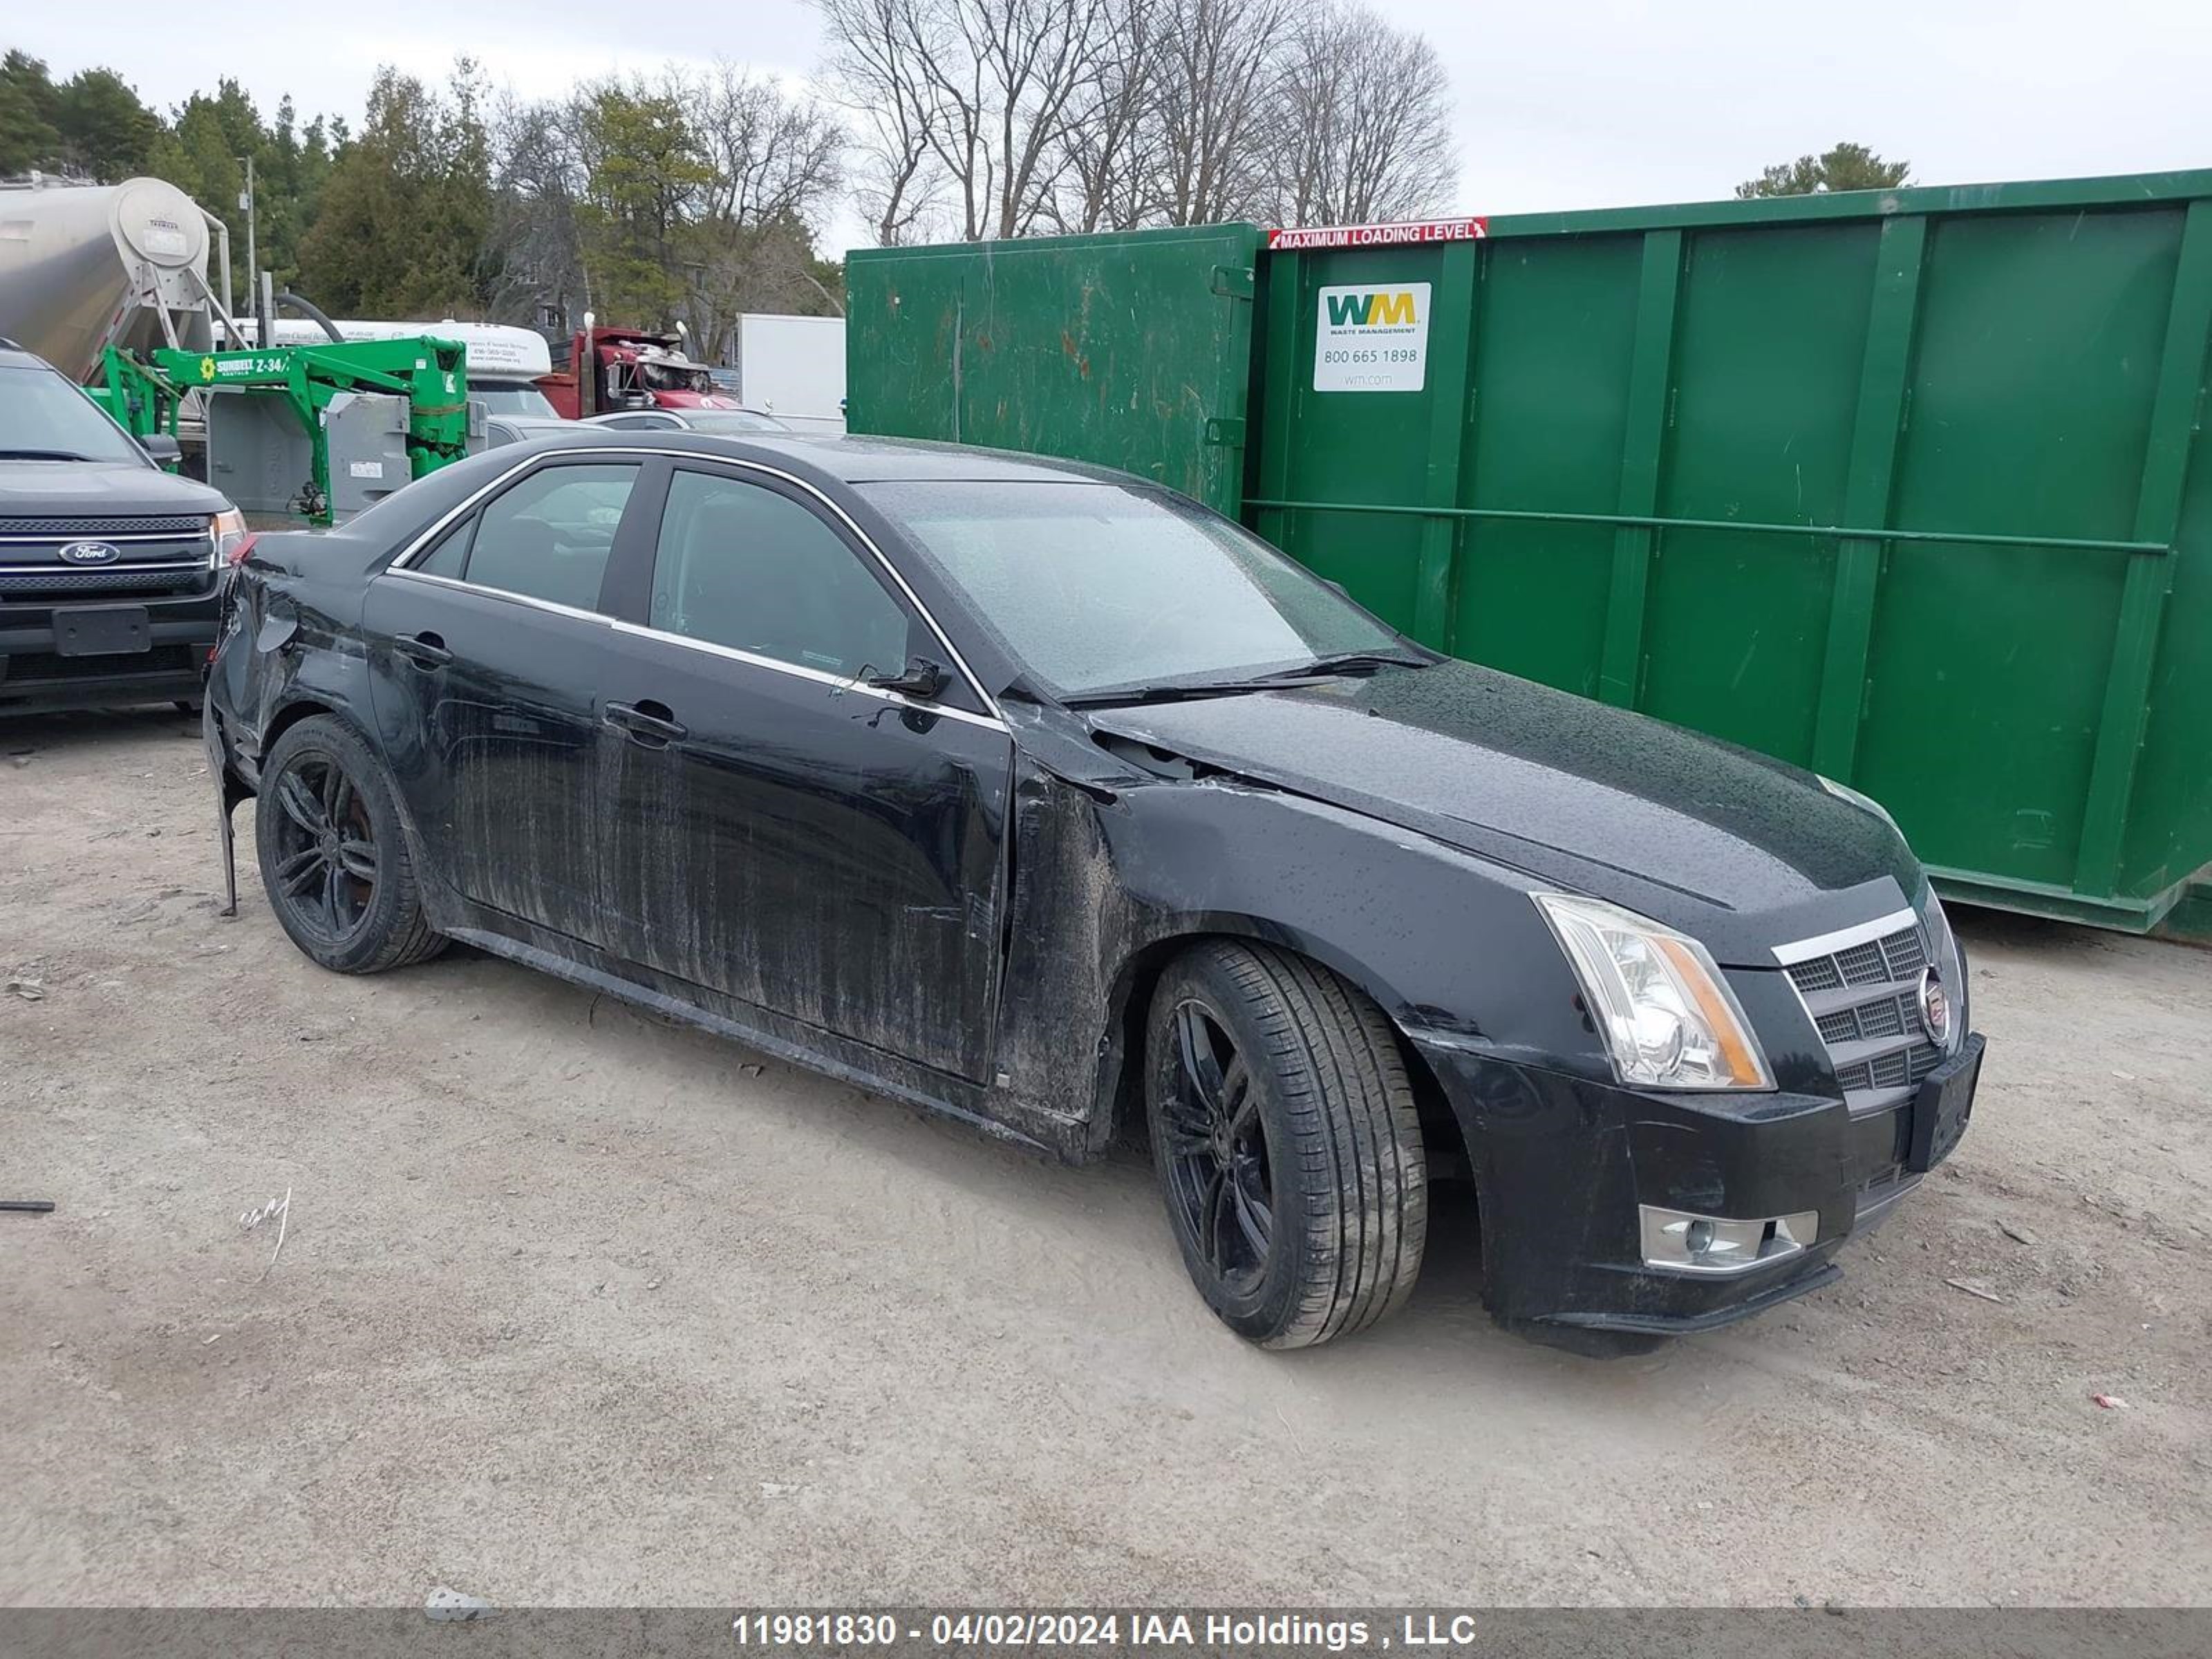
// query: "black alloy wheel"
[[1216, 1156], [327, 865], [336, 857], [1287, 1141]]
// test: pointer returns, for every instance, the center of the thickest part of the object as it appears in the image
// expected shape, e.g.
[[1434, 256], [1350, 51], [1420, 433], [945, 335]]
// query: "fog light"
[[1682, 1241]]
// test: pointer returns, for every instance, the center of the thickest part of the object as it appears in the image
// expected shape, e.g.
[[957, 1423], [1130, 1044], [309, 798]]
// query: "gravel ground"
[[575, 1308]]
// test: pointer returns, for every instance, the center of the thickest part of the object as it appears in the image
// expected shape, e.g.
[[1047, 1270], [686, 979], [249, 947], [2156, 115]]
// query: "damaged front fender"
[[1116, 871]]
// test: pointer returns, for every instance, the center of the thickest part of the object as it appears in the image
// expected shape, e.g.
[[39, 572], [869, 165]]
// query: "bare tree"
[[774, 156], [873, 63], [998, 118], [535, 176], [988, 90], [1110, 137], [687, 196], [1219, 64], [1005, 76], [748, 267], [1365, 122]]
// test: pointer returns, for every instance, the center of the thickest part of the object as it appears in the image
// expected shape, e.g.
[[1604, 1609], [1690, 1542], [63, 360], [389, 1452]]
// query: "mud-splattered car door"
[[487, 653], [779, 831]]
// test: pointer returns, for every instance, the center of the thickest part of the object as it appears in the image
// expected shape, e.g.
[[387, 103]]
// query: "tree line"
[[975, 119], [692, 195], [695, 194]]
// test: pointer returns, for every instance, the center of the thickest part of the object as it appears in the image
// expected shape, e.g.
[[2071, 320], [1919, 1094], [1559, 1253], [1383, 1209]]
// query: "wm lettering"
[[1371, 310]]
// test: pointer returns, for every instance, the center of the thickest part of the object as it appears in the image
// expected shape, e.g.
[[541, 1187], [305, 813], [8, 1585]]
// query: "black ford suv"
[[108, 565]]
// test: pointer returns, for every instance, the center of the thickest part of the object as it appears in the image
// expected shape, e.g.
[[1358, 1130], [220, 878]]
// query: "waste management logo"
[[1373, 337]]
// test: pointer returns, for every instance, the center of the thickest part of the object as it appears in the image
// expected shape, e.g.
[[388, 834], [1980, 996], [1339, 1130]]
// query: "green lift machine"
[[314, 432]]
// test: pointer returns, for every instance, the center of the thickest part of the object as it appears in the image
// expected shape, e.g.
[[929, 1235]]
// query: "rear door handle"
[[653, 724], [426, 650]]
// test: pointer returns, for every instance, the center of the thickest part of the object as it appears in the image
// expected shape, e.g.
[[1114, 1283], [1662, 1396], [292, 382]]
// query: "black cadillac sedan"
[[1038, 795]]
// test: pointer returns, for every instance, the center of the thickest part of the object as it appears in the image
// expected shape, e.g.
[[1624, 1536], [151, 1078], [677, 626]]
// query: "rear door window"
[[547, 538]]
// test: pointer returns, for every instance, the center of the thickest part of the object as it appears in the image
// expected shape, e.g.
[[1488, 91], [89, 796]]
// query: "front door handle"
[[425, 650], [653, 724]]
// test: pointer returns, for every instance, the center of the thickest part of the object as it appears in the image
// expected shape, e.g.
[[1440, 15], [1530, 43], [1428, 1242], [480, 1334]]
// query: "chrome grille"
[[1886, 1015], [1893, 1070], [1863, 993], [31, 568], [109, 579], [1893, 957], [1861, 965], [1906, 952], [78, 529]]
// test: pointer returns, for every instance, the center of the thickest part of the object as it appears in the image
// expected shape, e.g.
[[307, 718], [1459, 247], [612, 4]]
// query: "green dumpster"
[[1897, 485]]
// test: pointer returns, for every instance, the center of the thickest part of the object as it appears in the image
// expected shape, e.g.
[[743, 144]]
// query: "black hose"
[[311, 311]]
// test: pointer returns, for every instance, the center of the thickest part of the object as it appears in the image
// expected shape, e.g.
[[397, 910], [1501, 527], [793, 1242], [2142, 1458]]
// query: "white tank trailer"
[[86, 266]]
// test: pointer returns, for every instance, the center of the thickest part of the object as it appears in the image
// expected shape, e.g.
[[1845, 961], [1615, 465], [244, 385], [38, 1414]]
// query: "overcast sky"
[[1577, 103]]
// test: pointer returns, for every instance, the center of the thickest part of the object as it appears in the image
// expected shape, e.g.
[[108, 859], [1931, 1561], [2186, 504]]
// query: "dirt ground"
[[575, 1308]]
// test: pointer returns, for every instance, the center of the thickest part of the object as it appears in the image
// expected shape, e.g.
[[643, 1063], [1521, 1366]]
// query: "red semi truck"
[[606, 369]]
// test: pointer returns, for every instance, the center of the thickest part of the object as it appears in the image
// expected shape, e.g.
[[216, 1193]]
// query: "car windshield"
[[732, 420], [1099, 588], [43, 415], [513, 400]]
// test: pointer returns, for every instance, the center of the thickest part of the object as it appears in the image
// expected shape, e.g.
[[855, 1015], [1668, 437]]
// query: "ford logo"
[[91, 553]]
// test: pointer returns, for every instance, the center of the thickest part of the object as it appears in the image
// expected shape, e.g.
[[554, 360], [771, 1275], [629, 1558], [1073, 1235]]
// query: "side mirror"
[[921, 678], [161, 448]]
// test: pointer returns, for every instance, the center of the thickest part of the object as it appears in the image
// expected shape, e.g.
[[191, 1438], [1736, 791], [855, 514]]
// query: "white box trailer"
[[504, 362], [793, 368]]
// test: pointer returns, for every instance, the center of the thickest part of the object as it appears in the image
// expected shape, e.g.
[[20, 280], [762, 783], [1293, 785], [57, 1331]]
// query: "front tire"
[[333, 853], [1287, 1144]]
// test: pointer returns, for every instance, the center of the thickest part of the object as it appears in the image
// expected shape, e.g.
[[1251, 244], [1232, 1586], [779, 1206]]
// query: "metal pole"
[[220, 230], [253, 264]]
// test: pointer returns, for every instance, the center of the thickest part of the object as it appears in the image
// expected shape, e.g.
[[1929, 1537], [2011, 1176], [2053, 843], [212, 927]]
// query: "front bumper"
[[36, 677], [1562, 1164]]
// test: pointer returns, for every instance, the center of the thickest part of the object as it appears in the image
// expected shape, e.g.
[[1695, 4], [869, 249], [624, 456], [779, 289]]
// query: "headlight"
[[227, 530], [1867, 803], [1669, 1018]]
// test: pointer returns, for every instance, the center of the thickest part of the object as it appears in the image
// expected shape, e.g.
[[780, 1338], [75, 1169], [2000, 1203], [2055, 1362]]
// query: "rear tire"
[[1287, 1144], [333, 853]]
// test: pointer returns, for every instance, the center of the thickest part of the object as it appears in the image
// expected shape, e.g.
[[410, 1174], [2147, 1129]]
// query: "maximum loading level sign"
[[1372, 337]]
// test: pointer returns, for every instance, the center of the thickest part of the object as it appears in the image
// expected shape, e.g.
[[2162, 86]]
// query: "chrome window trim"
[[404, 558], [439, 527], [838, 682], [1827, 944], [530, 599]]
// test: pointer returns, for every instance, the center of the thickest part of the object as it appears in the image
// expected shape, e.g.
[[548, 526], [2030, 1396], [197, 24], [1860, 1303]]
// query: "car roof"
[[855, 460]]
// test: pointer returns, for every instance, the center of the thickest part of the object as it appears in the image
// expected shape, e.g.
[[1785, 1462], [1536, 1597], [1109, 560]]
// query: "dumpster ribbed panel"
[[1903, 486]]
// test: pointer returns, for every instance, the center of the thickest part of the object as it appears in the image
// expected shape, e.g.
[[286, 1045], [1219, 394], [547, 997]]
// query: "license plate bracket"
[[105, 630], [1943, 1105]]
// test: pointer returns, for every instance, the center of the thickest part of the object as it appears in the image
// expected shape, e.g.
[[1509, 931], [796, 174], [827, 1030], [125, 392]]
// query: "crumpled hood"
[[34, 490], [1736, 848]]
